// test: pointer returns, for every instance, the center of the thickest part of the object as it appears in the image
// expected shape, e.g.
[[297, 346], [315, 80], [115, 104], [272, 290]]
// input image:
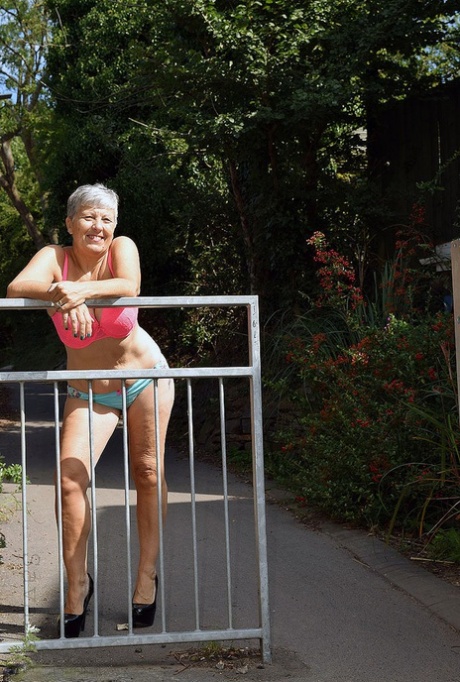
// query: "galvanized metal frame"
[[260, 631]]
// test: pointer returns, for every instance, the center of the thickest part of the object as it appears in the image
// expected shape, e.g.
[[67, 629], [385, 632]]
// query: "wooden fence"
[[418, 141]]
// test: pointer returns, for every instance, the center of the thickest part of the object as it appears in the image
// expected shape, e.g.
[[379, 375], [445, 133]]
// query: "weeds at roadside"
[[17, 658], [12, 474], [219, 657]]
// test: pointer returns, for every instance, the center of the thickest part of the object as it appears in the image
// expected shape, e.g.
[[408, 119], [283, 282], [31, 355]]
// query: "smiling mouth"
[[95, 237]]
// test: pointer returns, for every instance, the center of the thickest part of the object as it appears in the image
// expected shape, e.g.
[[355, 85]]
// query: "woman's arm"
[[125, 282], [35, 279]]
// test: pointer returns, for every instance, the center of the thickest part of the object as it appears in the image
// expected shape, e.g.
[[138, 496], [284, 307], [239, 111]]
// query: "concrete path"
[[344, 607]]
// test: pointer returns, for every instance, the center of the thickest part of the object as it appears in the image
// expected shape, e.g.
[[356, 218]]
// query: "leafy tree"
[[25, 134], [24, 111], [241, 116]]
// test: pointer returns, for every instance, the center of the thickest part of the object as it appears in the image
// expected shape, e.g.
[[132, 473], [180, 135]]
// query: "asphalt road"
[[344, 607]]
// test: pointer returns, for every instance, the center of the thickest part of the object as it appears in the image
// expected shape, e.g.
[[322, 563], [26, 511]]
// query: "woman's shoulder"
[[61, 254], [124, 248], [55, 249], [52, 253], [122, 242]]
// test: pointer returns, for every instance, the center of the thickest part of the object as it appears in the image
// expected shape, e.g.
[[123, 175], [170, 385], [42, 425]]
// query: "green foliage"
[[15, 247], [445, 546], [230, 125], [363, 398], [8, 473], [18, 654], [24, 110], [438, 482], [442, 59]]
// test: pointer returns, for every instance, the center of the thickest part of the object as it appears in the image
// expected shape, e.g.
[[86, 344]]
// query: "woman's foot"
[[144, 613], [75, 623]]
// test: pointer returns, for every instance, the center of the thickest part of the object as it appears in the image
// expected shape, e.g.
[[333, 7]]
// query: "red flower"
[[432, 373]]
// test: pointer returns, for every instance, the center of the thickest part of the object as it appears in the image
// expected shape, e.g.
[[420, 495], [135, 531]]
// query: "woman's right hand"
[[67, 295]]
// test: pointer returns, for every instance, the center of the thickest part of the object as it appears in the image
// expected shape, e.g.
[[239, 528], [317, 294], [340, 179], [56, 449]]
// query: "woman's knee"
[[145, 473], [74, 477]]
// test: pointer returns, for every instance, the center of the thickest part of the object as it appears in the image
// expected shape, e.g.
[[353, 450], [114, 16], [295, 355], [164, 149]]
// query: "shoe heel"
[[74, 624], [143, 615]]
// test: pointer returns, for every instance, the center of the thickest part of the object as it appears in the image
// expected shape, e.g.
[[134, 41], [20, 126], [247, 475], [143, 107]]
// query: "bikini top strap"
[[65, 267]]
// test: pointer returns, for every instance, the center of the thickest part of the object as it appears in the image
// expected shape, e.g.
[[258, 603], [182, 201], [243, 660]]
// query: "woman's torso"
[[136, 350]]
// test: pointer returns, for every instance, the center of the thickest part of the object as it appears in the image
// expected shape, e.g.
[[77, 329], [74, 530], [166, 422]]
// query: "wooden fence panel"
[[419, 142]]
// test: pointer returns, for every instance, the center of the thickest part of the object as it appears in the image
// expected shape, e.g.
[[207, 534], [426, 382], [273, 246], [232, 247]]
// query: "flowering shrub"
[[336, 276], [364, 446], [402, 286]]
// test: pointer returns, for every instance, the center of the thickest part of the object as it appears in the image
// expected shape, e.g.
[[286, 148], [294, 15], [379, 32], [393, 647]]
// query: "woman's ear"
[[68, 224]]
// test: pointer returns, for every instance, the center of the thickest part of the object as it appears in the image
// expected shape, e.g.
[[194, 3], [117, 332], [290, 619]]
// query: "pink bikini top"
[[115, 323]]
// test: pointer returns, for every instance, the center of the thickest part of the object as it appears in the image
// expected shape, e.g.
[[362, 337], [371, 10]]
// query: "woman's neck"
[[89, 268]]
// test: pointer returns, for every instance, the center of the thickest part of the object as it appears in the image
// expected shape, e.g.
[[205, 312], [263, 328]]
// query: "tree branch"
[[7, 181]]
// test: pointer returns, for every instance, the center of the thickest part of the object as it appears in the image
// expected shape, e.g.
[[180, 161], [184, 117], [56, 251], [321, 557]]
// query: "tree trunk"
[[8, 182], [246, 226]]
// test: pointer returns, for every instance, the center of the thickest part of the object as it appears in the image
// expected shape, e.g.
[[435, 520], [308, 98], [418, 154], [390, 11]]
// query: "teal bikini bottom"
[[114, 399]]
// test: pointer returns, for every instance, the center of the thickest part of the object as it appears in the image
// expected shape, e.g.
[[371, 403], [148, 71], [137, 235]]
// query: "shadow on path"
[[344, 607]]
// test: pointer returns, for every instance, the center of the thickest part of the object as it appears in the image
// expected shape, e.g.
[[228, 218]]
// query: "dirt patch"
[[417, 551], [220, 658]]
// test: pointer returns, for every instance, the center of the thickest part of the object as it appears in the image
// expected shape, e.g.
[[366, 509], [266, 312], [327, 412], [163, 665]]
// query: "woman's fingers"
[[66, 295], [80, 321], [57, 295], [75, 313]]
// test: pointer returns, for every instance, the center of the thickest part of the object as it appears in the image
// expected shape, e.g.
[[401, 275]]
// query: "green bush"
[[445, 545], [11, 473], [372, 436]]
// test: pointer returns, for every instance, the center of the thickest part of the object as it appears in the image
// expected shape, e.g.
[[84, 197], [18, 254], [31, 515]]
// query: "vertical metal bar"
[[124, 415], [223, 441], [258, 474], [263, 630], [455, 260], [156, 407], [57, 446], [93, 507], [25, 542], [191, 451]]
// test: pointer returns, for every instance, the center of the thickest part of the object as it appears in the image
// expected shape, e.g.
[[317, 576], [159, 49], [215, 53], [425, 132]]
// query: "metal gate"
[[224, 625]]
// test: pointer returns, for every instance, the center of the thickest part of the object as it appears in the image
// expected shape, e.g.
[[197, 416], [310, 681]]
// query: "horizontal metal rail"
[[200, 633], [141, 302], [186, 373]]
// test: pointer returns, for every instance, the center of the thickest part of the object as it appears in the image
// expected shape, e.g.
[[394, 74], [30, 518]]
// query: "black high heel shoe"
[[144, 614], [74, 624]]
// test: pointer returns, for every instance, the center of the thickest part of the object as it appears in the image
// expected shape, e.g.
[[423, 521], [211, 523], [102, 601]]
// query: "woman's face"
[[92, 227]]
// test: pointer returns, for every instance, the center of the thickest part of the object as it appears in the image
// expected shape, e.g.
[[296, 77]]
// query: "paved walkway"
[[344, 606]]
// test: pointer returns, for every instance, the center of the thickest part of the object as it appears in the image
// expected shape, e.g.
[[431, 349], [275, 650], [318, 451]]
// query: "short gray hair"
[[92, 195]]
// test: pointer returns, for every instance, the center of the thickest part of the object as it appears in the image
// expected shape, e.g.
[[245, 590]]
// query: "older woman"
[[99, 265]]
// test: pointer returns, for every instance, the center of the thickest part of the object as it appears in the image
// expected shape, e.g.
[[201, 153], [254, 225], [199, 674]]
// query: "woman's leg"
[[143, 456], [75, 478]]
